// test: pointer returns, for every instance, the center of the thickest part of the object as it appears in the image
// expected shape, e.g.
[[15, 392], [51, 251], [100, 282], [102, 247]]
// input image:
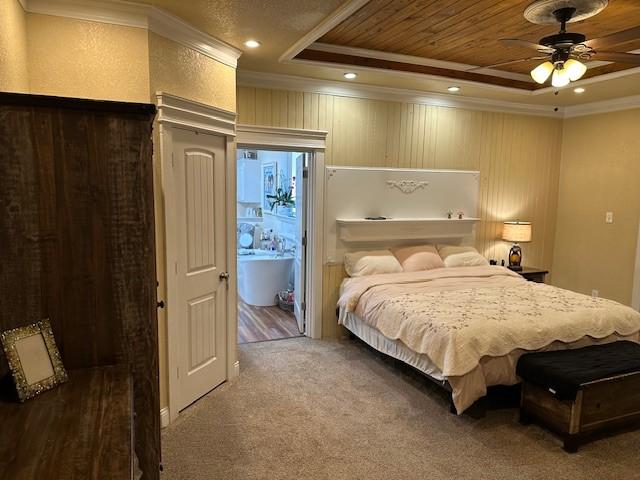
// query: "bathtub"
[[261, 276]]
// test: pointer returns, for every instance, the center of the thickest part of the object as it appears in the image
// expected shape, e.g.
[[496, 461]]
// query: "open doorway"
[[271, 239]]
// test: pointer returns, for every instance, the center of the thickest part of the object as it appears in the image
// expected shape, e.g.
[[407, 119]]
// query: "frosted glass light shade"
[[541, 73], [560, 77], [518, 232], [575, 69]]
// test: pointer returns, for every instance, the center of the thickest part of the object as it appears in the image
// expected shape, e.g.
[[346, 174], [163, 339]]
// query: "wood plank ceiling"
[[463, 31]]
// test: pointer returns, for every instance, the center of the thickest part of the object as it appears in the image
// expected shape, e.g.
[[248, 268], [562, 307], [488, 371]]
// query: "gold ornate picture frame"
[[34, 359]]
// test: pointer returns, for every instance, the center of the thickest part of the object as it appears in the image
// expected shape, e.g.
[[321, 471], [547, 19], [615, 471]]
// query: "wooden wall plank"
[[518, 157]]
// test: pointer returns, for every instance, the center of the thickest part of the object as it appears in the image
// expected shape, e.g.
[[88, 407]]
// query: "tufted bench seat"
[[580, 392]]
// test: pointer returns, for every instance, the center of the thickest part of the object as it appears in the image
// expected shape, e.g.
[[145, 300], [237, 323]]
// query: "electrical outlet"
[[595, 293], [608, 218]]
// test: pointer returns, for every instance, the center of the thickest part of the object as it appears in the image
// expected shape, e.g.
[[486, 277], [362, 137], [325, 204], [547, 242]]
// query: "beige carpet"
[[305, 409]]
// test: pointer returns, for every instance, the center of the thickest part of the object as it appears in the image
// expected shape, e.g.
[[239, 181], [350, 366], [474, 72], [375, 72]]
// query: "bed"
[[466, 327]]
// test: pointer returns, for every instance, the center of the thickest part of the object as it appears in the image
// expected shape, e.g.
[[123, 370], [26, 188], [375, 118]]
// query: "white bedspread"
[[460, 316]]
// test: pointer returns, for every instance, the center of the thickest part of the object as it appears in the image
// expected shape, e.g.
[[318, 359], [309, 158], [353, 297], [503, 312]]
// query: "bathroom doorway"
[[271, 239]]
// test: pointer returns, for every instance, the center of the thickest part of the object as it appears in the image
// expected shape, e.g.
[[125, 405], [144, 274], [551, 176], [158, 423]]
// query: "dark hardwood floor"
[[257, 324]]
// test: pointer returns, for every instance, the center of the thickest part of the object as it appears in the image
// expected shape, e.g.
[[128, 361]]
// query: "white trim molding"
[[431, 62], [247, 78], [413, 60], [236, 370], [164, 417], [594, 108], [313, 141], [282, 137], [132, 14], [177, 111], [329, 23]]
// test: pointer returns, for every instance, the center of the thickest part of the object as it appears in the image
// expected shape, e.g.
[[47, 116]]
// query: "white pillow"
[[465, 259], [359, 264], [446, 250]]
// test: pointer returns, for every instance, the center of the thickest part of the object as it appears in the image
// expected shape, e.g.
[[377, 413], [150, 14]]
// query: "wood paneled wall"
[[518, 157]]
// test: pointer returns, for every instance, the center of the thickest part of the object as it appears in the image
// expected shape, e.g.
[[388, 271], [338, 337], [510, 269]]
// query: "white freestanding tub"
[[261, 276]]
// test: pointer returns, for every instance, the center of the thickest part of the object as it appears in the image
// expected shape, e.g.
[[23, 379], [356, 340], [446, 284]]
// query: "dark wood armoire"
[[77, 240]]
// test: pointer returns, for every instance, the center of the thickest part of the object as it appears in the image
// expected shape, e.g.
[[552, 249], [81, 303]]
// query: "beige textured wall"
[[518, 157], [180, 71], [13, 47], [600, 173], [186, 73], [76, 58]]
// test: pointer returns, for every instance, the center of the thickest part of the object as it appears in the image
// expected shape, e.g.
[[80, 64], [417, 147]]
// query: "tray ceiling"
[[459, 31]]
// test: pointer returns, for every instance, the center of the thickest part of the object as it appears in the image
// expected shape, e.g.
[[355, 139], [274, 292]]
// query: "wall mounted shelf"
[[363, 230]]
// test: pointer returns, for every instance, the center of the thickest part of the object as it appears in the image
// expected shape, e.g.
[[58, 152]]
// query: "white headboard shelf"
[[365, 230], [414, 202]]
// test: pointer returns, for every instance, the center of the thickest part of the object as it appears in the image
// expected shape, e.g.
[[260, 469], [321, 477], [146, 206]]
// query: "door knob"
[[224, 276]]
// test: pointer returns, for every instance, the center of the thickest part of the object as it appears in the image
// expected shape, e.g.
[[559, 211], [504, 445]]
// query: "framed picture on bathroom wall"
[[269, 183]]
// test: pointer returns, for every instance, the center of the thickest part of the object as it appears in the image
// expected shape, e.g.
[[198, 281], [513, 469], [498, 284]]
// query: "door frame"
[[303, 141], [176, 112]]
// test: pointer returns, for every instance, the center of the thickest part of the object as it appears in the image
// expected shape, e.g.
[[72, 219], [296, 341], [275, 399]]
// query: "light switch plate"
[[608, 218]]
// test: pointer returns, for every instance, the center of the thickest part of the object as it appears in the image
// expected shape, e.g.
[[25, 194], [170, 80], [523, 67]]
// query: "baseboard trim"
[[236, 369], [164, 417]]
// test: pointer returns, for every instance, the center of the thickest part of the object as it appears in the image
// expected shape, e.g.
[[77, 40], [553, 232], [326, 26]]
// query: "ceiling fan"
[[565, 52]]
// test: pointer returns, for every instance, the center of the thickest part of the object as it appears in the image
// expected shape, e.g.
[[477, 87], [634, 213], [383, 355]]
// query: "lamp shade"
[[542, 72], [560, 77], [575, 69], [518, 232]]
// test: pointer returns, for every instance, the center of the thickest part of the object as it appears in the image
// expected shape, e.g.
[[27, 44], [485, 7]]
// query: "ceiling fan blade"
[[524, 43], [618, 57], [505, 63], [614, 39]]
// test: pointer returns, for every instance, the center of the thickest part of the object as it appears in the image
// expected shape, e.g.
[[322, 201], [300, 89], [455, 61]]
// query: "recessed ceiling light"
[[578, 90], [350, 75], [252, 44], [453, 89]]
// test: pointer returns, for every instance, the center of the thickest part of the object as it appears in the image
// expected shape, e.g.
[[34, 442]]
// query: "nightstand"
[[533, 274]]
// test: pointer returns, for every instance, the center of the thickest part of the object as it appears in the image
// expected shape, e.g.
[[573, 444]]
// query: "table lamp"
[[516, 232]]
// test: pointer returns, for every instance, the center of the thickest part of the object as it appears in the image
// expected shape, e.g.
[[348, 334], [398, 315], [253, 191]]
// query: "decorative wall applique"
[[406, 186]]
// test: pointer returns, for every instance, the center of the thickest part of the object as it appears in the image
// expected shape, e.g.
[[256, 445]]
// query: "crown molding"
[[329, 23], [180, 112], [262, 136], [430, 62], [594, 108], [131, 14], [310, 85]]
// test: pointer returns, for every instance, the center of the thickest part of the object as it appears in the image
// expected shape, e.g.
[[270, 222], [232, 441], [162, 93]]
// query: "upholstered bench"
[[581, 392]]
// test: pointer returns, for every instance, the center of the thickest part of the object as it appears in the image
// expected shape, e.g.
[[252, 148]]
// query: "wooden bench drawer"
[[609, 400]]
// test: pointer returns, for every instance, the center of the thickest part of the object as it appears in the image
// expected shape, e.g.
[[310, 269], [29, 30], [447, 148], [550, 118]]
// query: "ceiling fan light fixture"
[[575, 69], [541, 73], [560, 77]]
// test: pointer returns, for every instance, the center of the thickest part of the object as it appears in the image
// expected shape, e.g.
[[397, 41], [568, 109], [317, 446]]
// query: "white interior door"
[[199, 177], [301, 241]]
